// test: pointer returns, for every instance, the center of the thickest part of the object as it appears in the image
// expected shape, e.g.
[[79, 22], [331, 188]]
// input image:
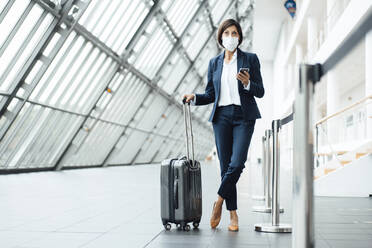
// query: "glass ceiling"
[[89, 83]]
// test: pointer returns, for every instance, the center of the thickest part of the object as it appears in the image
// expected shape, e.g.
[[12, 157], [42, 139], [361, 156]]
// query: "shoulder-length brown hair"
[[224, 25]]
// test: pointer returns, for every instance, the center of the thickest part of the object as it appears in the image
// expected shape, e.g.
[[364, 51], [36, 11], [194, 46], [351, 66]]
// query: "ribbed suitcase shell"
[[181, 192], [181, 189]]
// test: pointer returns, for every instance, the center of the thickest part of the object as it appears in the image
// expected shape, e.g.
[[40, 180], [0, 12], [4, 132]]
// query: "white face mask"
[[230, 43]]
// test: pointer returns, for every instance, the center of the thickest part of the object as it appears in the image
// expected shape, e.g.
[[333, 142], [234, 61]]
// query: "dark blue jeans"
[[233, 135]]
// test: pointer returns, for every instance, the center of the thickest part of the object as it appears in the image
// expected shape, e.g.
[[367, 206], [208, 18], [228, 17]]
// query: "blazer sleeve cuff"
[[193, 101], [248, 87]]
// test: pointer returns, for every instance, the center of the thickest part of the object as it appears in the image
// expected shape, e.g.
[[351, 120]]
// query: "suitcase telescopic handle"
[[188, 123]]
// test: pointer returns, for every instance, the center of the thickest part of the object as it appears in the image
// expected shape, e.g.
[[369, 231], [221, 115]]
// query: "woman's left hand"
[[243, 77]]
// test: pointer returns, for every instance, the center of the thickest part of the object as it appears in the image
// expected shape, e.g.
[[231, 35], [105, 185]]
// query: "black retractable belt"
[[286, 120]]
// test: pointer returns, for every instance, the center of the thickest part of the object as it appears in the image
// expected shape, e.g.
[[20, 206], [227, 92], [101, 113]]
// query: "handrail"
[[343, 110]]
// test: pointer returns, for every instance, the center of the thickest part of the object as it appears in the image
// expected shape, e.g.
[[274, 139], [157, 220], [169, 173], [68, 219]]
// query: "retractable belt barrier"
[[271, 171]]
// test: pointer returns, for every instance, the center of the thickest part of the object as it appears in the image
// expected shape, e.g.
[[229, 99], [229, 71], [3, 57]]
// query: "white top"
[[229, 93]]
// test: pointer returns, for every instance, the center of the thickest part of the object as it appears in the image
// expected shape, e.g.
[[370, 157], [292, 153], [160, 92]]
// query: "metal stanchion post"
[[263, 170], [275, 226], [303, 220], [267, 168]]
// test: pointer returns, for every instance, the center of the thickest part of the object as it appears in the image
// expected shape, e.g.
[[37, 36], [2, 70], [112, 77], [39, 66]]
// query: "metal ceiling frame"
[[175, 48], [62, 17]]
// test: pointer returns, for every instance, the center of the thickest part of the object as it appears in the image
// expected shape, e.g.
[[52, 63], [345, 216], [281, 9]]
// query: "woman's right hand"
[[188, 97]]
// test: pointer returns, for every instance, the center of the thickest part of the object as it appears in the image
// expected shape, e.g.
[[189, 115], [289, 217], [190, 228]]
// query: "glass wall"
[[99, 82]]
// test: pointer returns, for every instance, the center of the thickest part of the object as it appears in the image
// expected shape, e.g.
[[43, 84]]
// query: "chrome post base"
[[268, 227], [263, 209]]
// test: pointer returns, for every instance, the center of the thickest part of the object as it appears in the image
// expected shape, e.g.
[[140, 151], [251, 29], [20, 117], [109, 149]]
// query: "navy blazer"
[[248, 103]]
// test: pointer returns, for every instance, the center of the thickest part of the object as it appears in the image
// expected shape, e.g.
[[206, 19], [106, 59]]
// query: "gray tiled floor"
[[119, 207]]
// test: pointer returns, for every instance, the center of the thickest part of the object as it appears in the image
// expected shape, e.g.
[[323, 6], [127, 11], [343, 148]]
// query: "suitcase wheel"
[[195, 224], [167, 226], [186, 228]]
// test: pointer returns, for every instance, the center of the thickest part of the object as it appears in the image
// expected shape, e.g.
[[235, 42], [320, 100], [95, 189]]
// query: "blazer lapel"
[[219, 72]]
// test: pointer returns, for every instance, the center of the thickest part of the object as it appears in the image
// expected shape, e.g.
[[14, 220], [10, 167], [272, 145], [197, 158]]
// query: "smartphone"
[[244, 69]]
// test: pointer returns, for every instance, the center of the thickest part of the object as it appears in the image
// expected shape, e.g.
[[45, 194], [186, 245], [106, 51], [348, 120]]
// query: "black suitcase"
[[181, 189]]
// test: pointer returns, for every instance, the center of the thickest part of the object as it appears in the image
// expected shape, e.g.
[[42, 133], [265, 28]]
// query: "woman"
[[234, 112]]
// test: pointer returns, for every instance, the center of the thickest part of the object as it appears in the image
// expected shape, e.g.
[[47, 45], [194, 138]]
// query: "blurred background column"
[[368, 89], [330, 10], [299, 54], [312, 37], [333, 103]]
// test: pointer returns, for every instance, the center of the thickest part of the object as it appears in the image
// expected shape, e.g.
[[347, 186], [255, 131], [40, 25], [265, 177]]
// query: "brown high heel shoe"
[[233, 227], [215, 221]]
